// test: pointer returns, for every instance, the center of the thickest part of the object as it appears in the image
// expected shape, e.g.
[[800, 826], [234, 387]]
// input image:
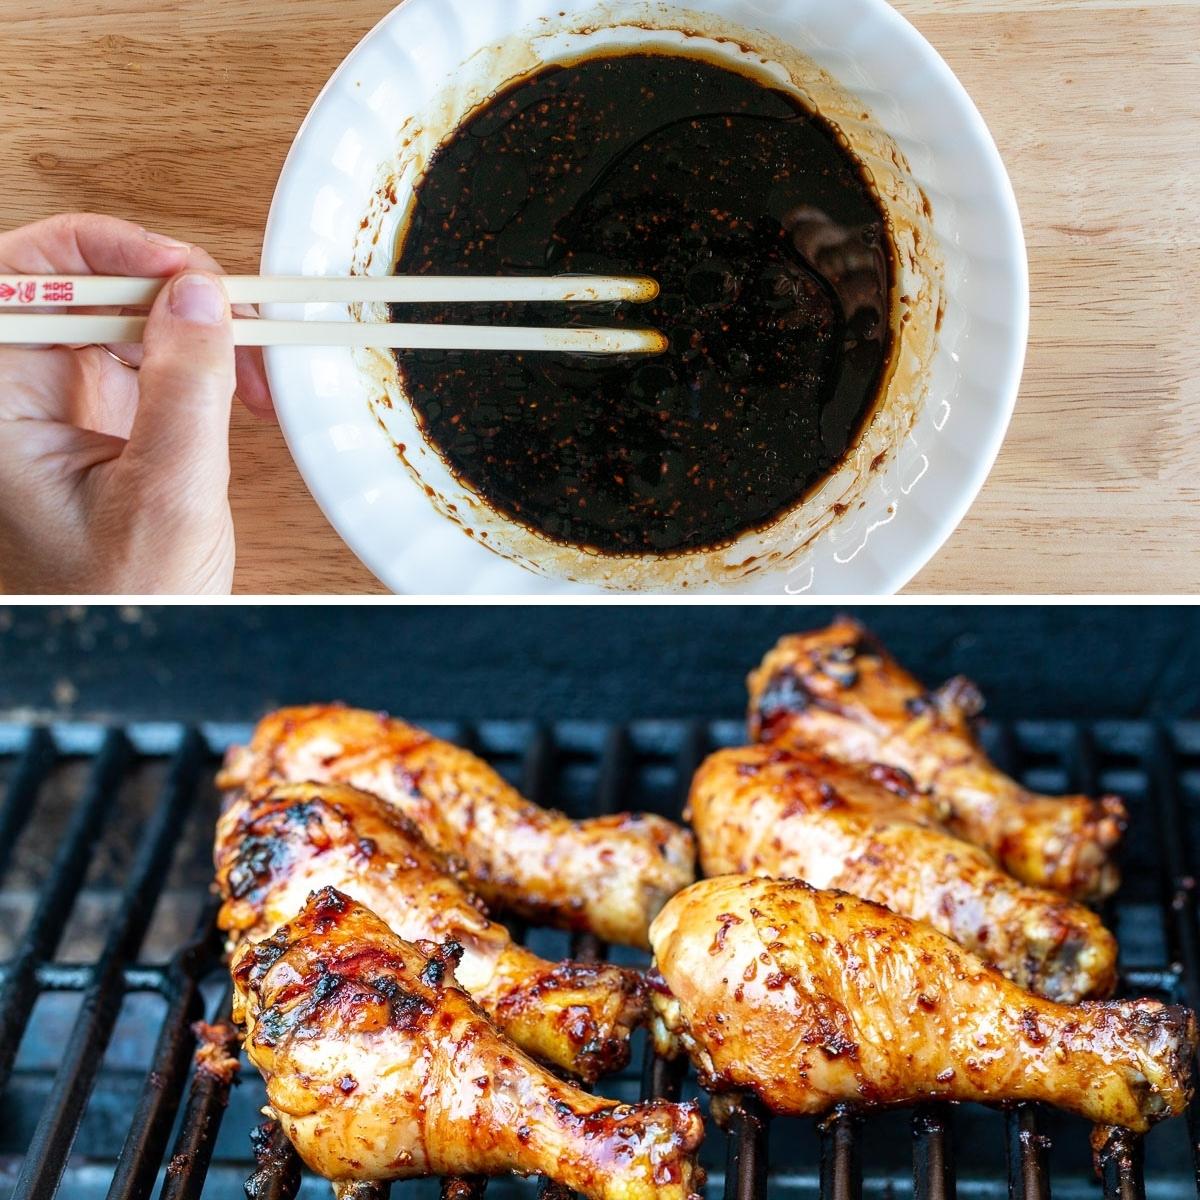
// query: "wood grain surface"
[[178, 114]]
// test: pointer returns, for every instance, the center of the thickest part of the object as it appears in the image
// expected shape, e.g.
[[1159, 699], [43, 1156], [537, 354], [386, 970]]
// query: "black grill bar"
[[537, 769], [933, 1155], [1028, 1178], [1084, 762], [193, 1147], [537, 764], [278, 1174], [137, 1167], [47, 1154], [32, 768], [616, 762], [841, 1157], [1121, 1166], [57, 897], [746, 1161], [693, 750]]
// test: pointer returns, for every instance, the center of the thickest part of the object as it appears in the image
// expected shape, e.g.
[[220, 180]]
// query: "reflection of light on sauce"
[[775, 266]]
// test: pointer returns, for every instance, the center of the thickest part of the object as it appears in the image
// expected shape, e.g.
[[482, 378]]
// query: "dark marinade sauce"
[[775, 265]]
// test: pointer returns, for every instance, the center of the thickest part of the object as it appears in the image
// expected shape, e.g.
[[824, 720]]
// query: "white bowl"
[[344, 190]]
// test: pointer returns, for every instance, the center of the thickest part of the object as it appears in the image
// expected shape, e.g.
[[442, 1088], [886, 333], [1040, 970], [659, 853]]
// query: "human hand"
[[115, 479]]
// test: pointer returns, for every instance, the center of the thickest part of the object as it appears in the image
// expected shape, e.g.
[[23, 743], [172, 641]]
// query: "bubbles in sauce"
[[775, 265]]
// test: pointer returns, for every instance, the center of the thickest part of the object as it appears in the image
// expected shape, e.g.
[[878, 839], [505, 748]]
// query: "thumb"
[[185, 385]]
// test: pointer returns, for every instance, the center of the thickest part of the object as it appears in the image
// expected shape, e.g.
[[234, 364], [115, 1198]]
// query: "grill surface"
[[109, 955]]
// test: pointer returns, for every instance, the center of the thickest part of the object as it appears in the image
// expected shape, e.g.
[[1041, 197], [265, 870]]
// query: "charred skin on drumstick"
[[809, 999], [275, 848], [608, 876], [379, 1067], [838, 691], [763, 810]]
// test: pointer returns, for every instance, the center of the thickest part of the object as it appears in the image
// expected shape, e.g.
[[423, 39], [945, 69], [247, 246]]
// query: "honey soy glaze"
[[775, 265]]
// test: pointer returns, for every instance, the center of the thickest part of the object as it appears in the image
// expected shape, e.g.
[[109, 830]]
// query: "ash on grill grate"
[[109, 956]]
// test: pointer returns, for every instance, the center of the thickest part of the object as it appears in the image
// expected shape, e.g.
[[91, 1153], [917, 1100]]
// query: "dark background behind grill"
[[608, 662]]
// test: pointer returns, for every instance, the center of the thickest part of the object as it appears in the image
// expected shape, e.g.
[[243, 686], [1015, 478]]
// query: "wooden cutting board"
[[178, 114]]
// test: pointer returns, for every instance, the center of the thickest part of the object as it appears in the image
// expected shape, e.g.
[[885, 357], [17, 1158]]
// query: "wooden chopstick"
[[70, 291], [42, 329]]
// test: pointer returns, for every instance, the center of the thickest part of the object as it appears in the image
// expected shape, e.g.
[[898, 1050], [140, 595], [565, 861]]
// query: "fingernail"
[[197, 299], [159, 239]]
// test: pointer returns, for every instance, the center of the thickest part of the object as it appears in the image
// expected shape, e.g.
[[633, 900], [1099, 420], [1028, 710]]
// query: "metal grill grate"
[[108, 955]]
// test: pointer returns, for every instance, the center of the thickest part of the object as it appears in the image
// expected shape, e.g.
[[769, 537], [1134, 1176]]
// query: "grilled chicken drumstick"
[[809, 999], [863, 829], [838, 691], [276, 847], [379, 1067], [608, 876]]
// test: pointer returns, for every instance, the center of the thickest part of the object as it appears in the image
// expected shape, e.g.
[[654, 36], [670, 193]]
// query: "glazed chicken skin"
[[273, 849], [380, 1068], [763, 810], [608, 876], [838, 691], [813, 998]]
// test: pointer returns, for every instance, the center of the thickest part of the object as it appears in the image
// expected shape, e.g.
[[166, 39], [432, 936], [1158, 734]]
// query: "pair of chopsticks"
[[49, 329]]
